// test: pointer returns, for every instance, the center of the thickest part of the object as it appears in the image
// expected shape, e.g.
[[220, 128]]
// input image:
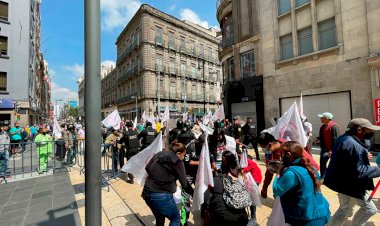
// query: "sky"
[[62, 33]]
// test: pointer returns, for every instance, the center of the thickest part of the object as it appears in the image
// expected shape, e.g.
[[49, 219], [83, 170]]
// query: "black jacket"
[[148, 135], [164, 169], [349, 171]]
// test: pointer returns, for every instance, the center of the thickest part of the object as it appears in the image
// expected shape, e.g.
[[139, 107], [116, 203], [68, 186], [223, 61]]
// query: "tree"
[[73, 111]]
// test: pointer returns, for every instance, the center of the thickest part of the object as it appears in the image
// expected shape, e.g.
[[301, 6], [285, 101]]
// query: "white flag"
[[207, 118], [290, 127], [112, 120], [143, 117], [184, 117], [135, 123], [244, 159], [57, 129], [219, 114], [301, 108], [136, 165], [166, 115], [204, 177]]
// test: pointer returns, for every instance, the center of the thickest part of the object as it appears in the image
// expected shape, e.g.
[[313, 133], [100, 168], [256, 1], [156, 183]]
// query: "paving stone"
[[20, 197], [12, 207], [38, 201], [42, 194], [70, 219], [67, 193], [25, 188], [40, 207], [36, 218], [16, 213], [16, 221]]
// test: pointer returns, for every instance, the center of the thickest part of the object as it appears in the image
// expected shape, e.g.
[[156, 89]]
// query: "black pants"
[[252, 140]]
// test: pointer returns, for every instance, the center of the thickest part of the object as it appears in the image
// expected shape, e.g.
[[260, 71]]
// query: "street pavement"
[[42, 201]]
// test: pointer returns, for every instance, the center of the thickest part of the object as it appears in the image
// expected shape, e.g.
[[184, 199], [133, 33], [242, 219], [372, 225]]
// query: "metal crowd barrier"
[[33, 159]]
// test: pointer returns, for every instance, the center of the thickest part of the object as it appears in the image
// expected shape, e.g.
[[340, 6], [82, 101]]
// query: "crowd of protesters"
[[298, 177]]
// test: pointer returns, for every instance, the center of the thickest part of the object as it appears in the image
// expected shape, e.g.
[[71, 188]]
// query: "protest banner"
[[219, 114], [204, 177], [57, 129], [112, 120], [136, 165], [135, 123], [166, 115]]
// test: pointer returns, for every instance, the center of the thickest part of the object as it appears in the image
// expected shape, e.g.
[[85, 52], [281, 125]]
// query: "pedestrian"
[[44, 149], [350, 173], [299, 189], [221, 210], [81, 138], [308, 127], [131, 141], [217, 145], [25, 135], [112, 151], [61, 143], [164, 169], [15, 133], [147, 136], [250, 136], [71, 145], [33, 131], [328, 133], [4, 151]]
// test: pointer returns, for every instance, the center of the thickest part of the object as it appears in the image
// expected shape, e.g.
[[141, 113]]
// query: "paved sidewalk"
[[43, 201]]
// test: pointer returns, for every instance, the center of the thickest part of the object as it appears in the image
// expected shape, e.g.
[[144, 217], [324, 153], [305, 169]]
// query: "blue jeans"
[[4, 159], [162, 205]]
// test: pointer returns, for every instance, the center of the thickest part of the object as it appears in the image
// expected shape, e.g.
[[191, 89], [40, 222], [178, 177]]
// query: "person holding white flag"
[[164, 169]]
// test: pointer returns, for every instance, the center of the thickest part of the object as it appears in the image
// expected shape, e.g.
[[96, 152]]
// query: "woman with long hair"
[[164, 169], [220, 213], [299, 189], [217, 145]]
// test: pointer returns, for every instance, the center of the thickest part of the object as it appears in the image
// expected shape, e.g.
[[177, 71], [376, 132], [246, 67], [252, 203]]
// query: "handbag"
[[235, 195]]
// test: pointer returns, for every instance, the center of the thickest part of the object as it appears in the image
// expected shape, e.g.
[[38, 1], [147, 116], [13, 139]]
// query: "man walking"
[[328, 133], [350, 173], [132, 145], [15, 133], [44, 149], [4, 154], [249, 132]]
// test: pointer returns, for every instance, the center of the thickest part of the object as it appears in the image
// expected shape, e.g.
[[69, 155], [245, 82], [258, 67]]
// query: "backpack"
[[235, 195]]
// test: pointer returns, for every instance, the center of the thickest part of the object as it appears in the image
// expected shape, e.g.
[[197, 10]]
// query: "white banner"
[[166, 115], [136, 165], [204, 177], [57, 129], [135, 123], [143, 117], [290, 127], [219, 114], [230, 141], [112, 120], [184, 117]]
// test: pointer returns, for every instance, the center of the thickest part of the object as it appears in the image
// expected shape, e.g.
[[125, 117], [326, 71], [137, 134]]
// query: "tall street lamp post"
[[135, 103]]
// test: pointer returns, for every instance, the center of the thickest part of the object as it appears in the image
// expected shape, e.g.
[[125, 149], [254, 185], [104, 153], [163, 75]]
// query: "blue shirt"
[[16, 136], [283, 184]]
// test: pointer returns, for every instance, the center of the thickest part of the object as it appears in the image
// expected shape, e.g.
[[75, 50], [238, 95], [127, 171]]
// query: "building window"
[[326, 32], [301, 2], [183, 68], [173, 88], [171, 40], [158, 62], [182, 46], [286, 47], [230, 69], [3, 11], [172, 66], [194, 91], [192, 46], [209, 52], [305, 41], [283, 6], [3, 45], [247, 64], [3, 81], [227, 32], [201, 50], [159, 35], [193, 71]]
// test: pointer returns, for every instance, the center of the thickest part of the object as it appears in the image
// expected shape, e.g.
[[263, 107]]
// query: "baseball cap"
[[327, 115], [362, 123]]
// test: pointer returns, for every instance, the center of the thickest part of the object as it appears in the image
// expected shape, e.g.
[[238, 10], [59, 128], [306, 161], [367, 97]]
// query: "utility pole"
[[159, 90], [93, 179]]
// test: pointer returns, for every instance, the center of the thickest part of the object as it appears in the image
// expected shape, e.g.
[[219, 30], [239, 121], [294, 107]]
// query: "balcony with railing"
[[128, 98], [159, 40]]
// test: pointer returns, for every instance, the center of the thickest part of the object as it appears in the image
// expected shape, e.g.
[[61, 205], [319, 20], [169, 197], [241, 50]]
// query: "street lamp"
[[204, 84]]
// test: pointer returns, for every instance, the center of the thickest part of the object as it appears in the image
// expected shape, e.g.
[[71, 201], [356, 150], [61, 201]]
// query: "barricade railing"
[[30, 159]]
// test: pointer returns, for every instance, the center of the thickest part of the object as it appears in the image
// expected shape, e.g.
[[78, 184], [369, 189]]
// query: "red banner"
[[377, 111]]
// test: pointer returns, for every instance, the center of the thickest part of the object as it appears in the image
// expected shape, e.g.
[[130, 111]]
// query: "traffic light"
[[18, 117]]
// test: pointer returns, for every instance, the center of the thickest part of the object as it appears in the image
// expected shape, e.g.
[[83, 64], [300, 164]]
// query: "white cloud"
[[109, 63], [51, 73], [188, 14], [77, 70], [116, 13], [61, 93]]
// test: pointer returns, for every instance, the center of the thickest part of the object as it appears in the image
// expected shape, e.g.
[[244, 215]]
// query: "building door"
[[244, 110], [338, 104]]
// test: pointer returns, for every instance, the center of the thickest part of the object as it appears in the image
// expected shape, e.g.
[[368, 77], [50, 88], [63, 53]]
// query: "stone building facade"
[[109, 92], [163, 62], [328, 50]]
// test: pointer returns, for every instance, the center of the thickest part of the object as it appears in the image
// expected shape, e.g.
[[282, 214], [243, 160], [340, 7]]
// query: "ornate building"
[[163, 61]]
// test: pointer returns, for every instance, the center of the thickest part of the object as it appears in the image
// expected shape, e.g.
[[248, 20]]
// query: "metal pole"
[[136, 106], [93, 179], [204, 89]]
